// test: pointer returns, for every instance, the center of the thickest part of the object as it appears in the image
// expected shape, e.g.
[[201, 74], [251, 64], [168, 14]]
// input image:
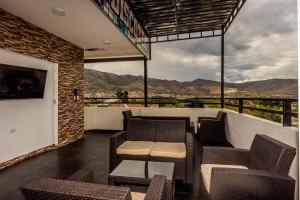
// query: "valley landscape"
[[105, 85]]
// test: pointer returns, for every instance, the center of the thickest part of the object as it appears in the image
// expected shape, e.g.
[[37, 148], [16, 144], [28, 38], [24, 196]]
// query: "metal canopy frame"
[[171, 20]]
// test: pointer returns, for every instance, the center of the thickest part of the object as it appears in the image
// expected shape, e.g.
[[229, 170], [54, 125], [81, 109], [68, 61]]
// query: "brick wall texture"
[[20, 36]]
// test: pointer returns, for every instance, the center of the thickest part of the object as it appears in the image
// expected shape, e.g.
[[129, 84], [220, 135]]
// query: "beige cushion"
[[137, 196], [135, 148], [170, 150], [206, 170]]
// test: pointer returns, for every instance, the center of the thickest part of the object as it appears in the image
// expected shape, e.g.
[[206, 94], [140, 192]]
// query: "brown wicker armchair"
[[259, 173], [78, 187], [149, 134], [212, 130]]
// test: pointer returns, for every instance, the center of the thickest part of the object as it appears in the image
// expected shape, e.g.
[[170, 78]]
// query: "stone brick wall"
[[20, 36]]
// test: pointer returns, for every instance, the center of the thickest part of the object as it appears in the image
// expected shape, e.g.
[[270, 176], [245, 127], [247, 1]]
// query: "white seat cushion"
[[170, 150], [135, 148], [137, 196], [206, 170]]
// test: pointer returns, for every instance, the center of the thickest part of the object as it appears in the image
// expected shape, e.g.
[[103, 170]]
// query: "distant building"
[[217, 90]]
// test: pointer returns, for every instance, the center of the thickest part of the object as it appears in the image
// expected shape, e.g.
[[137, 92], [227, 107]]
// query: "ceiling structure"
[[83, 25], [175, 17]]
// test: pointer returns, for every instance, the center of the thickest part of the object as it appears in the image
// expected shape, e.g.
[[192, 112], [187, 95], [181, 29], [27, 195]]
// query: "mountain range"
[[103, 84]]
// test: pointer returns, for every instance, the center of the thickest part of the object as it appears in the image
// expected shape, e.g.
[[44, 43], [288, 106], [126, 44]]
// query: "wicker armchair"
[[78, 186], [212, 130], [162, 131], [268, 162]]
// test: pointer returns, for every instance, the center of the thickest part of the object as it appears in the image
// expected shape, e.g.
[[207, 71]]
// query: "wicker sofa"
[[190, 128], [211, 130], [79, 186], [259, 173], [155, 140]]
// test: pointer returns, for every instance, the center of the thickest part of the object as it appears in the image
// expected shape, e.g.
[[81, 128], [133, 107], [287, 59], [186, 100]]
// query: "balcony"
[[51, 143]]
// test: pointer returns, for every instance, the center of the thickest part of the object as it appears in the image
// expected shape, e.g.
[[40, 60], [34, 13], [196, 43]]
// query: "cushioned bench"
[[155, 140]]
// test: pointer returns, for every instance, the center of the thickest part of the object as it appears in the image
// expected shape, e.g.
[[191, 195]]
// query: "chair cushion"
[[170, 150], [140, 129], [135, 148], [270, 155], [137, 196], [206, 170], [170, 131]]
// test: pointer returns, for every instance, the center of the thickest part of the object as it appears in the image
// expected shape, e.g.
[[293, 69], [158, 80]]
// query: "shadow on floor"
[[91, 152]]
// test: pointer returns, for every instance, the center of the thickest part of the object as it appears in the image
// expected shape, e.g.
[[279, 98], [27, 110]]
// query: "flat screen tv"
[[21, 82]]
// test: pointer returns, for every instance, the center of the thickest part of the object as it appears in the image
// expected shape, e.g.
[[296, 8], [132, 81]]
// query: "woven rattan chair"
[[211, 130], [78, 186], [268, 162], [172, 131], [190, 128]]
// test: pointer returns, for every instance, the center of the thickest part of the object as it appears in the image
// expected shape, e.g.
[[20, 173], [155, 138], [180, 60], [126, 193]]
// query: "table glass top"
[[143, 169]]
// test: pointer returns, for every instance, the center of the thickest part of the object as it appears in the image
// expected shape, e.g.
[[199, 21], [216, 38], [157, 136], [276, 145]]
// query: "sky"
[[260, 44]]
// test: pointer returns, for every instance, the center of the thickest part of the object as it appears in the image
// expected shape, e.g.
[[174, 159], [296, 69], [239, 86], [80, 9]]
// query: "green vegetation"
[[123, 95]]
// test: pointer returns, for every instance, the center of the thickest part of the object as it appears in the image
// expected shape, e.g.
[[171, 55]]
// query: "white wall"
[[32, 119]]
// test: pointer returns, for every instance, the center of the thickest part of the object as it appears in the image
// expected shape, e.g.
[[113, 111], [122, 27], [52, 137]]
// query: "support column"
[[287, 113], [145, 82], [222, 69]]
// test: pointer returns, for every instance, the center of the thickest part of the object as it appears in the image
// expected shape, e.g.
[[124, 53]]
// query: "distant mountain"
[[106, 84]]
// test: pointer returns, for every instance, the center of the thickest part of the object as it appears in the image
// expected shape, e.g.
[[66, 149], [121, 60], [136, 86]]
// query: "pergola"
[[173, 20]]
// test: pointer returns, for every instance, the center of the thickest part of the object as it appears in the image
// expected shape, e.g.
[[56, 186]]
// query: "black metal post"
[[222, 69], [145, 82], [287, 113], [241, 106]]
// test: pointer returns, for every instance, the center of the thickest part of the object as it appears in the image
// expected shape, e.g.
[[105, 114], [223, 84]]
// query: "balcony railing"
[[281, 110]]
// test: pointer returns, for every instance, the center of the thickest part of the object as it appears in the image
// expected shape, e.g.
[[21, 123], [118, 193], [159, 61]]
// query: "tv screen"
[[21, 82]]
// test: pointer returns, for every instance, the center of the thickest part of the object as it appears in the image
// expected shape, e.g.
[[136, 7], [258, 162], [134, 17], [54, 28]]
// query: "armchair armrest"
[[118, 138], [190, 157], [157, 188], [115, 141], [201, 118], [62, 189], [250, 185], [82, 175], [225, 156]]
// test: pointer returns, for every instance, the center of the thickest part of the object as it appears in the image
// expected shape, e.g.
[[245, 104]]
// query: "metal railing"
[[275, 106]]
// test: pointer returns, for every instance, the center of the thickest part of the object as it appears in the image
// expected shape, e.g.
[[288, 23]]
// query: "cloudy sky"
[[260, 44]]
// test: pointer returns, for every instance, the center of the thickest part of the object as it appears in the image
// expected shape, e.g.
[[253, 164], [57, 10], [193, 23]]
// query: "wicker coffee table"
[[132, 172]]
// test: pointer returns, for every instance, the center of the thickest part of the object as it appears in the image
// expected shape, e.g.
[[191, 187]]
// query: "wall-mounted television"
[[21, 82]]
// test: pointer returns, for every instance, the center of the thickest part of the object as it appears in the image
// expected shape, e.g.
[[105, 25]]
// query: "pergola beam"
[[145, 82], [113, 59], [222, 68]]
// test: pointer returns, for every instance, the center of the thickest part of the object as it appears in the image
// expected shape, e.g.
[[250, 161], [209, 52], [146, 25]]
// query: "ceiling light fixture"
[[107, 42], [59, 12]]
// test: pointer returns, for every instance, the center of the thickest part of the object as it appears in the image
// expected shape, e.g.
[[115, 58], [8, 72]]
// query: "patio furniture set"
[[151, 154]]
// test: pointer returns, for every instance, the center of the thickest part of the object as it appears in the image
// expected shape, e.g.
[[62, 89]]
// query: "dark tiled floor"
[[91, 152]]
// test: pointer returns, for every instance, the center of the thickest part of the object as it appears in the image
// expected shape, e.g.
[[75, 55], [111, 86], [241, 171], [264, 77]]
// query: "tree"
[[123, 95]]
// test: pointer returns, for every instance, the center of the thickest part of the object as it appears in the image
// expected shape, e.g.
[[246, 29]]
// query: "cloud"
[[260, 44]]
